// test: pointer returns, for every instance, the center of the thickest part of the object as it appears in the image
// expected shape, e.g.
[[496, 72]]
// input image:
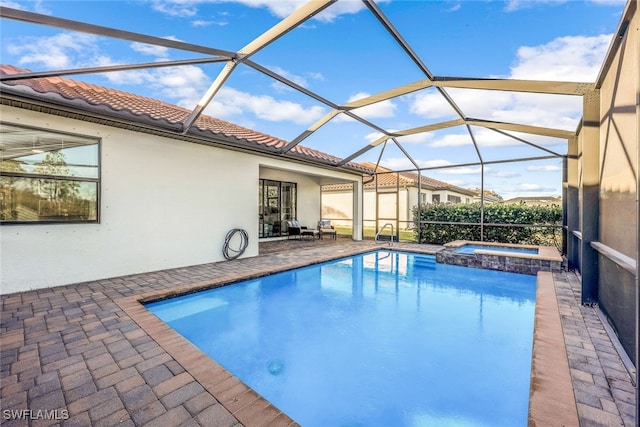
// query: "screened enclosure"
[[418, 122]]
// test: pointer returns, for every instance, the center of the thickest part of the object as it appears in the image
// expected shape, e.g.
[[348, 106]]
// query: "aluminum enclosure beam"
[[281, 28], [112, 68], [310, 130], [389, 94], [68, 24], [536, 130], [530, 86], [527, 142], [406, 132]]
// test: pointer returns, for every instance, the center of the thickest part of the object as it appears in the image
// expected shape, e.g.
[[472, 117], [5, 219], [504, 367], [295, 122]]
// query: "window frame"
[[79, 179]]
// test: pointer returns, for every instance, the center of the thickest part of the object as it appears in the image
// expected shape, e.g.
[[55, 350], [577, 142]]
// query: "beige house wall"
[[607, 160], [336, 205]]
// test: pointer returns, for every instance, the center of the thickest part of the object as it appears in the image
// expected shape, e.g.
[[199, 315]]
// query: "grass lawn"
[[370, 233]]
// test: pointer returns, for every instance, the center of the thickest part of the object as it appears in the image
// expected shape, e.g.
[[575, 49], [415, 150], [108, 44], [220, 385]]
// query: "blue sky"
[[344, 54]]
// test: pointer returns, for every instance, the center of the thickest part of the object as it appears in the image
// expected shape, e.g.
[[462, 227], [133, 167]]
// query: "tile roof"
[[114, 103], [387, 177]]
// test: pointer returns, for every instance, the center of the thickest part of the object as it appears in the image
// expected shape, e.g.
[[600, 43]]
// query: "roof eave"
[[52, 103]]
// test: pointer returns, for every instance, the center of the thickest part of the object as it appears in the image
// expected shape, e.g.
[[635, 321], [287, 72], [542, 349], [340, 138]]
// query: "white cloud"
[[63, 50], [544, 168], [382, 109], [535, 188], [609, 2], [456, 7], [201, 23], [180, 8], [181, 85], [160, 52], [504, 174], [418, 138], [534, 110], [230, 102], [514, 5], [283, 8], [11, 4], [39, 7], [403, 163], [464, 171], [431, 105], [185, 85], [297, 79], [452, 140], [570, 58], [279, 8]]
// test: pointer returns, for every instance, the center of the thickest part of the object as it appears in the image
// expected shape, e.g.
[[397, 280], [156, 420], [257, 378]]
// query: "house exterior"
[[488, 198], [98, 183], [392, 195], [535, 201]]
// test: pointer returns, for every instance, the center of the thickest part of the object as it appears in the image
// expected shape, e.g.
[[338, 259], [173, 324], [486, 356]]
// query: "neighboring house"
[[536, 201], [490, 197], [99, 183], [393, 195]]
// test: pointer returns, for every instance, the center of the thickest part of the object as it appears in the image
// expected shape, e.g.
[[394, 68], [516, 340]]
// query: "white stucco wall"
[[164, 204], [338, 206]]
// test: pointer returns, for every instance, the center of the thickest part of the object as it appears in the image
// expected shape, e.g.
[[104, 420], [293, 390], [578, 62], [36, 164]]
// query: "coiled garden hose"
[[230, 253]]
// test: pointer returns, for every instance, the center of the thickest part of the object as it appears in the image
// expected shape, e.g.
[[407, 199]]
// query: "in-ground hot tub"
[[526, 259]]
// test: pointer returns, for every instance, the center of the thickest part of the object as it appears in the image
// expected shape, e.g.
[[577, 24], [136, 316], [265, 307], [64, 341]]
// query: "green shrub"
[[541, 223]]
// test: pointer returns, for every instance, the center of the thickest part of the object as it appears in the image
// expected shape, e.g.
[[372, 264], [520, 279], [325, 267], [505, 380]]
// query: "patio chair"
[[295, 229], [325, 228]]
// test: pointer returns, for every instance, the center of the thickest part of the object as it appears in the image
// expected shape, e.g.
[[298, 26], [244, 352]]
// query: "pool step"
[[424, 262]]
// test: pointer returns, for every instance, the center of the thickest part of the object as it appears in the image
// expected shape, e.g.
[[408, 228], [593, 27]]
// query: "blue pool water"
[[380, 339], [469, 249]]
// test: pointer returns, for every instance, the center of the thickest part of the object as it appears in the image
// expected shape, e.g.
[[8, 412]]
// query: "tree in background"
[[54, 164]]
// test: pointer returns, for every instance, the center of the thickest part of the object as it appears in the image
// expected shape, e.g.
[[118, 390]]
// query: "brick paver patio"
[[77, 355]]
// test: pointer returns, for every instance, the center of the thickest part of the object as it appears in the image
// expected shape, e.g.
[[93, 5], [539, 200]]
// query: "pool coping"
[[551, 401], [551, 396]]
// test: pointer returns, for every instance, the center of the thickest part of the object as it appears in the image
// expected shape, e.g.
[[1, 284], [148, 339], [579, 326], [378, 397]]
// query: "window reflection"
[[277, 205], [47, 177]]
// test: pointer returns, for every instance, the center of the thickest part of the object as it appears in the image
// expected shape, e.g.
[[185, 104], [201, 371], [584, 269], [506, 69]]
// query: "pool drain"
[[276, 368]]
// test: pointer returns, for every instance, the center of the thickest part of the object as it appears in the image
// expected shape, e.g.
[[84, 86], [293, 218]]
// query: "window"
[[454, 199], [276, 206], [435, 198], [47, 177]]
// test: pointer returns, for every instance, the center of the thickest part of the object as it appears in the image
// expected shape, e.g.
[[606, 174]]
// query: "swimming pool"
[[384, 338]]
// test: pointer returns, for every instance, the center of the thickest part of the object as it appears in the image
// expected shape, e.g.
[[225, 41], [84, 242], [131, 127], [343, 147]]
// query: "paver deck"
[[89, 355]]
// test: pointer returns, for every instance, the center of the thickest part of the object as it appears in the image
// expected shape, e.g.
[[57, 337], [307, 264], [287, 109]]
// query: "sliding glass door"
[[276, 206]]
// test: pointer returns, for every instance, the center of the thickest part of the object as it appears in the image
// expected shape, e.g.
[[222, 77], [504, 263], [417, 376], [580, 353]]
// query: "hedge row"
[[537, 218]]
